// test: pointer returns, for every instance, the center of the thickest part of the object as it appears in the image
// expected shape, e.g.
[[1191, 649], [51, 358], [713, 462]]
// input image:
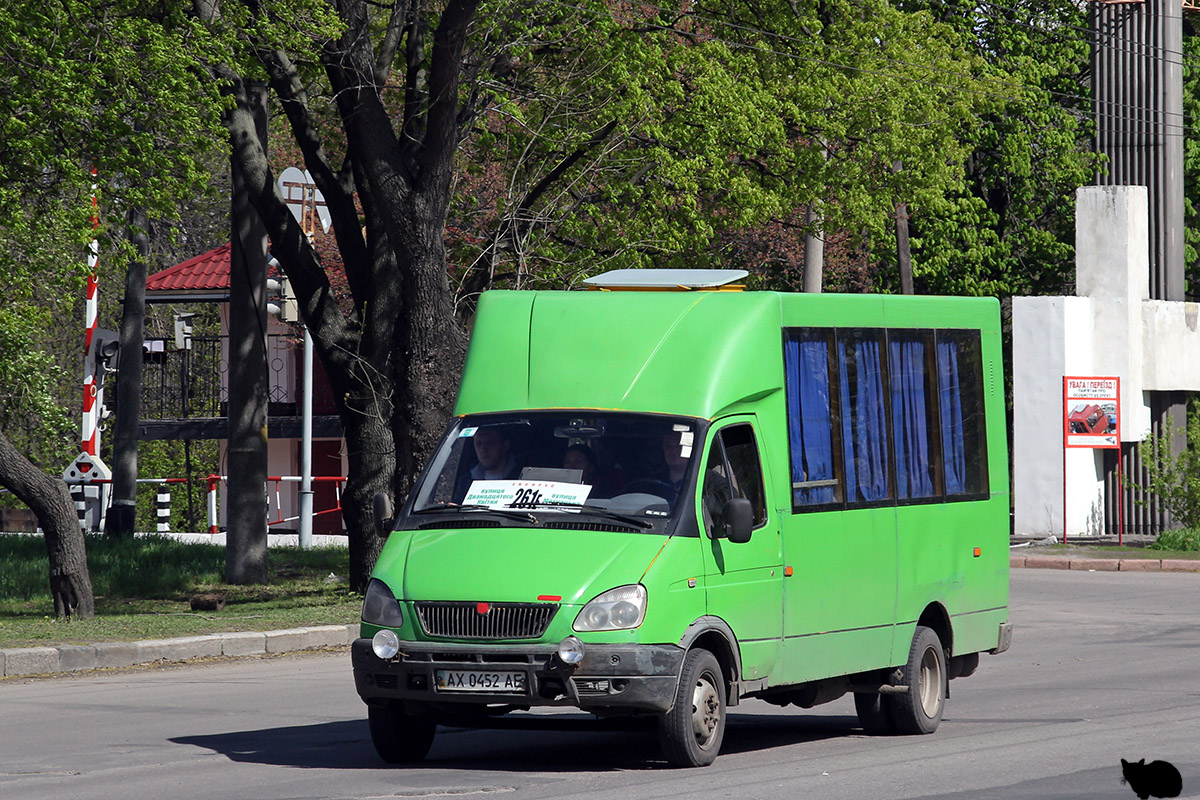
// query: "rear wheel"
[[400, 737], [692, 731], [919, 710]]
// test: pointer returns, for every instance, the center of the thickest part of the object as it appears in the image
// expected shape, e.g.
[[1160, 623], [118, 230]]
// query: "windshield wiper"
[[510, 513], [603, 512]]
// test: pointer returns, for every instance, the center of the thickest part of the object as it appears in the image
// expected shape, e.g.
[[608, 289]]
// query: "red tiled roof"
[[206, 272]]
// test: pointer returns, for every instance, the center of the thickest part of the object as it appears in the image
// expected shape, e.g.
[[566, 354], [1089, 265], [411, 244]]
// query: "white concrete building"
[[1110, 328]]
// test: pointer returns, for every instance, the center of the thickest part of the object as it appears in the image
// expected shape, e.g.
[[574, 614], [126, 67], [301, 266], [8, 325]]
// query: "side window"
[[732, 470], [960, 394], [916, 438], [812, 408], [864, 415]]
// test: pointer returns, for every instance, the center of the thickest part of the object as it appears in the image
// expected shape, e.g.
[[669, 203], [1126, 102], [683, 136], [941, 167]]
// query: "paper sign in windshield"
[[526, 494]]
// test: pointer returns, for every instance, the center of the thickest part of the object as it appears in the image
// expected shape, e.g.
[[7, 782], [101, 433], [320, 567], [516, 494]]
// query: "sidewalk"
[[1100, 562], [31, 661]]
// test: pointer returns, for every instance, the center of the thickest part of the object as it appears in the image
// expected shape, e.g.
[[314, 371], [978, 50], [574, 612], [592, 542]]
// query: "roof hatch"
[[668, 280]]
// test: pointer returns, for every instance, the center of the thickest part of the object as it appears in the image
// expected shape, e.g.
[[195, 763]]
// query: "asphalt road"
[[1104, 666]]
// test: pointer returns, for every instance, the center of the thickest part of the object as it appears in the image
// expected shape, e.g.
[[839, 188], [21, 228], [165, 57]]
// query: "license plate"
[[466, 680]]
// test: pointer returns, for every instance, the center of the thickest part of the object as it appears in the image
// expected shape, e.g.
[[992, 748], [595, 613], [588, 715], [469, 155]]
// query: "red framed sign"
[[1091, 411]]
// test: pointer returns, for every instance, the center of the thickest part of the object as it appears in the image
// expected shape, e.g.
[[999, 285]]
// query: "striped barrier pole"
[[90, 443], [214, 521]]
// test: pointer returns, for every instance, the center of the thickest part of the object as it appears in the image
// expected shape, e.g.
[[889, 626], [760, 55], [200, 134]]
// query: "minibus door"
[[743, 579]]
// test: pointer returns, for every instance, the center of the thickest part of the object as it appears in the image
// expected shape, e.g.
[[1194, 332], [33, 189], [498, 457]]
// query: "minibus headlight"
[[615, 610], [380, 606]]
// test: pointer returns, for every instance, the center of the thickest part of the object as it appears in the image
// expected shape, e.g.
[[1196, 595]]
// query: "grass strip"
[[143, 587]]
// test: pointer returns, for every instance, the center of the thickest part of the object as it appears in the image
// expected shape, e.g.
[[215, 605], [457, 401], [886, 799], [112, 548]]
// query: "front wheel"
[[692, 731], [400, 737], [919, 710]]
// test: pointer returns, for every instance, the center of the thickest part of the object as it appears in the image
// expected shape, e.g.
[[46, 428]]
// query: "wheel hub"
[[706, 711], [930, 682]]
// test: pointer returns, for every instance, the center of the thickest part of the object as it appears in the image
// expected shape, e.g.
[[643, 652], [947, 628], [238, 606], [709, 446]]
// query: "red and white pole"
[[90, 442]]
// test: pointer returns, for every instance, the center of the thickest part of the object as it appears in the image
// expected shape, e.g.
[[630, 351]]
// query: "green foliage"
[[1009, 230], [1180, 540], [1191, 155], [83, 83], [1175, 478], [673, 131], [110, 83]]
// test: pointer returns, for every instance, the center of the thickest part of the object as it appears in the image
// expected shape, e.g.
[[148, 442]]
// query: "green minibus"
[[664, 496]]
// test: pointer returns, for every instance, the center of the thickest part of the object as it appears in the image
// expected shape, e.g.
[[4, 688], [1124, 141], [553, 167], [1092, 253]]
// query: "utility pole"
[[814, 251], [814, 243], [903, 250]]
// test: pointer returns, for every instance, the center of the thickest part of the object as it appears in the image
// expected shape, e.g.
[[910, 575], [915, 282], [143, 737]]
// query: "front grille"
[[500, 620]]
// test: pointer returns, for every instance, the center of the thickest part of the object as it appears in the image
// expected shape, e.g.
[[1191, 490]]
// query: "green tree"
[[1174, 478], [1010, 229], [671, 135], [81, 83]]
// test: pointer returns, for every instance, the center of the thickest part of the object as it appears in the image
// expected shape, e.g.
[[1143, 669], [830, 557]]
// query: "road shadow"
[[517, 743], [1090, 784]]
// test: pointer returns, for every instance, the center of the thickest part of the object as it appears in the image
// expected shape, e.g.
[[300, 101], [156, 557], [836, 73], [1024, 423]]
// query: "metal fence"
[[181, 384]]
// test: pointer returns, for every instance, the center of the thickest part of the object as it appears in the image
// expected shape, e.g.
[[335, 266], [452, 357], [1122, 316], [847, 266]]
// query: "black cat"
[[1156, 779]]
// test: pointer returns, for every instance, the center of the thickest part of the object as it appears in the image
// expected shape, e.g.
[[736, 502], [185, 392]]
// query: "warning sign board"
[[1092, 411]]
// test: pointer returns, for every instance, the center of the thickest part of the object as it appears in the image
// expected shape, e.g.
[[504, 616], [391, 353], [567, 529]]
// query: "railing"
[[163, 498], [181, 384], [273, 517]]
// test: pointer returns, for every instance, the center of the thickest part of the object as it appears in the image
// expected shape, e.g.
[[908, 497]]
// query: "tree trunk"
[[371, 470], [394, 359], [70, 584], [122, 514], [246, 553]]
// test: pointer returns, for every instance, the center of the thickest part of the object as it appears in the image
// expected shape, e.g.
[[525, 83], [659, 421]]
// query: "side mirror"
[[738, 515], [381, 507]]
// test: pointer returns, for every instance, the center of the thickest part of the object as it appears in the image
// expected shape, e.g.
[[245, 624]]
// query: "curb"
[[30, 661], [1090, 564]]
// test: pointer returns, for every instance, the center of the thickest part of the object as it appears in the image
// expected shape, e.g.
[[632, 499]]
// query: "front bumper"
[[611, 676]]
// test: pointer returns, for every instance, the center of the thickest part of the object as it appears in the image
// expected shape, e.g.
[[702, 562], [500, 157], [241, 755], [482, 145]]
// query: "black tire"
[[692, 731], [919, 710], [874, 713], [399, 737]]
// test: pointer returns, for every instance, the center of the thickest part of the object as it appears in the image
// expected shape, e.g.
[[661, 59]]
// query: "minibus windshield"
[[529, 467]]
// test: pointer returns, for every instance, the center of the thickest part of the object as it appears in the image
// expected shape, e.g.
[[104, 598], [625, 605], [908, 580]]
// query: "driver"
[[495, 462]]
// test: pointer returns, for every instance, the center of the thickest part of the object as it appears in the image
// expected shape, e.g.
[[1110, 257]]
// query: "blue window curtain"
[[910, 418], [810, 422], [950, 391], [864, 420]]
